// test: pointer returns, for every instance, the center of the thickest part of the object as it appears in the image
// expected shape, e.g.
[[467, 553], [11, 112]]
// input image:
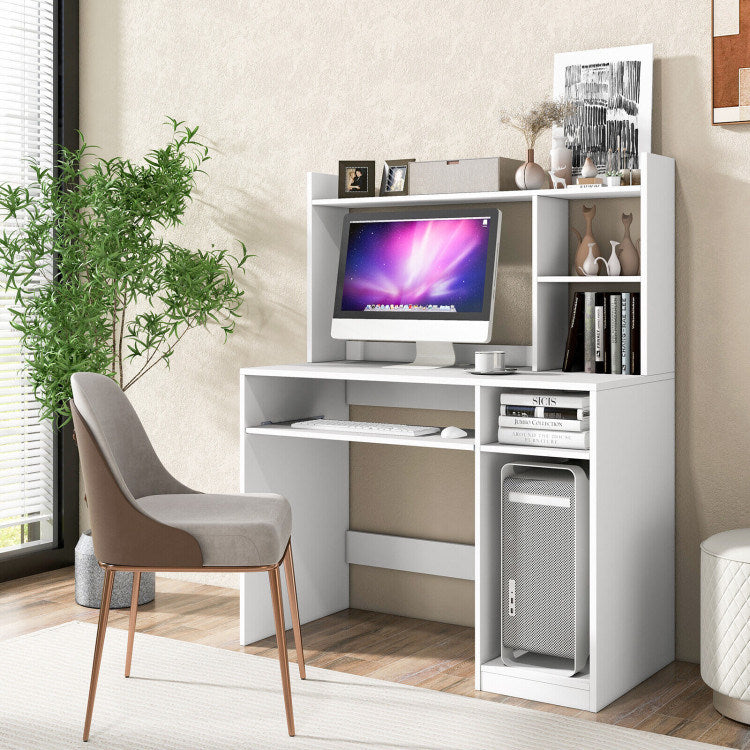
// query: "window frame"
[[65, 466]]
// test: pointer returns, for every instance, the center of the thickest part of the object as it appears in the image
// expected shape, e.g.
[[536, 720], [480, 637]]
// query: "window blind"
[[27, 504]]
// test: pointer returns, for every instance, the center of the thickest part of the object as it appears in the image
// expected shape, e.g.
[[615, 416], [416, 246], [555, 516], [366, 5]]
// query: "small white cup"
[[489, 361]]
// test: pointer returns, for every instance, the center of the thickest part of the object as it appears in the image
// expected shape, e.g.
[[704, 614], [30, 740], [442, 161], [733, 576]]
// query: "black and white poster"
[[611, 90]]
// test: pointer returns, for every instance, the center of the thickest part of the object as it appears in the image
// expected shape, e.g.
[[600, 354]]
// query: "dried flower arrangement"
[[538, 119]]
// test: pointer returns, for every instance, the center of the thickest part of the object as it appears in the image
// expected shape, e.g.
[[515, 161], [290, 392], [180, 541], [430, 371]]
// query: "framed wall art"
[[611, 90], [730, 61]]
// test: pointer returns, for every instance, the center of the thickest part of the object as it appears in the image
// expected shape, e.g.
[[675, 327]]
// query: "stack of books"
[[604, 333], [544, 419]]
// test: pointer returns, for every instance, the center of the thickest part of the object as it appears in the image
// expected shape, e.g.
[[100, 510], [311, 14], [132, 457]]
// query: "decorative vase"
[[630, 258], [530, 176], [89, 578], [589, 267], [583, 242], [613, 264], [589, 169], [561, 159]]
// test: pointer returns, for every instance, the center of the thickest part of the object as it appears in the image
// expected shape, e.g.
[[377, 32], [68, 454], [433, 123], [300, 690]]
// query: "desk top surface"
[[382, 372]]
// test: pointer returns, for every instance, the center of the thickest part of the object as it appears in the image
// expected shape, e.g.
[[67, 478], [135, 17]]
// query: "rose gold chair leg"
[[109, 579], [131, 624], [291, 589], [278, 613]]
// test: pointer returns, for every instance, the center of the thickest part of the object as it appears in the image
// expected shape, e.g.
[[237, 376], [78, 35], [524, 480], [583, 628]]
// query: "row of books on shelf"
[[544, 419], [604, 333]]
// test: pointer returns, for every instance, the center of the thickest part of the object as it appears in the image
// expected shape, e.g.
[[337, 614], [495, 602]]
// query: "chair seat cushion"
[[232, 530]]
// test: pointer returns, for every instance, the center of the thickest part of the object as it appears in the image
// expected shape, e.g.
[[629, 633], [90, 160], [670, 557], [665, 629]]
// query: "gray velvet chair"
[[143, 519]]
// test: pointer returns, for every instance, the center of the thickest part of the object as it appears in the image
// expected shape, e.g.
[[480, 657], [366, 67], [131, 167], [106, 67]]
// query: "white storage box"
[[463, 176]]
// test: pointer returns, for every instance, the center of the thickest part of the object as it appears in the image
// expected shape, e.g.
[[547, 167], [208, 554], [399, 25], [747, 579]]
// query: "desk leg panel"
[[314, 476], [632, 537]]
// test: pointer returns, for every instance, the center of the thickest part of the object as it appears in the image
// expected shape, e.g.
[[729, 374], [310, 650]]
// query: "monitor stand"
[[431, 355]]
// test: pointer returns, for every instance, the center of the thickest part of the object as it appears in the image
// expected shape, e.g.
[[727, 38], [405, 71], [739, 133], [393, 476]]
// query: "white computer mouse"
[[453, 432]]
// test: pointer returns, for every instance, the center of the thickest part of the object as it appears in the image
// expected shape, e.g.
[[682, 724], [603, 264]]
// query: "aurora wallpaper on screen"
[[430, 265]]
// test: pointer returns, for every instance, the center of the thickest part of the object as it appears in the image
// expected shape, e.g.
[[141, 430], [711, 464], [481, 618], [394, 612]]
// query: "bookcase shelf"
[[552, 282], [589, 279], [534, 450], [503, 196]]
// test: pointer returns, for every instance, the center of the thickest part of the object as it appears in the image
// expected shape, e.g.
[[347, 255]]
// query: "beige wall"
[[280, 88]]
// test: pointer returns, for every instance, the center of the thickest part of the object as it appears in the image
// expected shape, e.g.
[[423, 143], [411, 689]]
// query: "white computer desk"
[[631, 470]]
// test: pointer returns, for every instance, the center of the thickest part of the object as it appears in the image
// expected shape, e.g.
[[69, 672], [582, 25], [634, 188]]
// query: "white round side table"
[[725, 621]]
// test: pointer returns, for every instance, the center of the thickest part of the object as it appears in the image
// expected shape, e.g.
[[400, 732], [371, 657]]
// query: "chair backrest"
[[121, 438], [118, 465]]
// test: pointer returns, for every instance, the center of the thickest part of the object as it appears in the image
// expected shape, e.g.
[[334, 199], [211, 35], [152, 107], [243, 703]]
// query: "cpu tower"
[[545, 566]]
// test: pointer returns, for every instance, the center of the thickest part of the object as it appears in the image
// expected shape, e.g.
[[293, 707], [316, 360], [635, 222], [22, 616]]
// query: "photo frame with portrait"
[[395, 179], [356, 179]]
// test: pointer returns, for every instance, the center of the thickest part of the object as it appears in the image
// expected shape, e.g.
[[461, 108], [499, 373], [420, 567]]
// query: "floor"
[[428, 654]]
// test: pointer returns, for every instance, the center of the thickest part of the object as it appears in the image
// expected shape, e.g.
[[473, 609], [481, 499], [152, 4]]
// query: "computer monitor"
[[420, 275]]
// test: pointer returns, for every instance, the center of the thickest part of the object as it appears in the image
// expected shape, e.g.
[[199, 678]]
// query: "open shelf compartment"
[[553, 279], [533, 677]]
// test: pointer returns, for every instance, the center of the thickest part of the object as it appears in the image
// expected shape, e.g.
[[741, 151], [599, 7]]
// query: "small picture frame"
[[395, 177], [356, 179]]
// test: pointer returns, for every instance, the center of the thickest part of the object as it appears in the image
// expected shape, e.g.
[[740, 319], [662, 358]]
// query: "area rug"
[[187, 696]]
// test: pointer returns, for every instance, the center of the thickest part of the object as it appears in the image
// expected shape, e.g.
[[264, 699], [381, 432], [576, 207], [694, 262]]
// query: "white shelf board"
[[424, 441], [552, 676], [589, 279], [534, 450], [503, 196], [425, 556], [381, 372]]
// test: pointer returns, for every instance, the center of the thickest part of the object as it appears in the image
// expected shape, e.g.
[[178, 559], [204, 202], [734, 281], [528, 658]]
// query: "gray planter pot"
[[90, 578]]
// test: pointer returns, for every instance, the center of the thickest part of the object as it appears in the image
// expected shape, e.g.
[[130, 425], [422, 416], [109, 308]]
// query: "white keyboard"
[[374, 428]]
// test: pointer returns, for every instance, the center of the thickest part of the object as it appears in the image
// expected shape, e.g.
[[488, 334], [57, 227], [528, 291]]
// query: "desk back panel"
[[414, 492]]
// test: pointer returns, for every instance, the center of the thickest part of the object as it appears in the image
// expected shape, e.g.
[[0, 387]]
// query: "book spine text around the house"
[[546, 438]]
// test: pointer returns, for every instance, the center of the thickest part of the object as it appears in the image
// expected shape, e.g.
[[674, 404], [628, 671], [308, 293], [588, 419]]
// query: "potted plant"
[[612, 173], [96, 283]]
